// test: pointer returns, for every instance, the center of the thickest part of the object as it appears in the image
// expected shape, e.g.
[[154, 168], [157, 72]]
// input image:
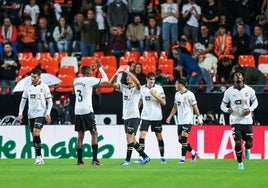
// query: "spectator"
[[47, 11], [118, 43], [117, 14], [224, 69], [89, 35], [86, 5], [210, 16], [169, 15], [139, 74], [9, 34], [161, 78], [186, 63], [63, 35], [26, 36], [135, 35], [252, 77], [56, 8], [238, 21], [240, 42], [76, 32], [258, 43], [222, 43], [224, 22], [101, 18], [32, 9], [137, 7], [152, 36], [203, 51], [9, 65], [263, 22], [12, 9], [44, 37], [210, 118], [191, 27]]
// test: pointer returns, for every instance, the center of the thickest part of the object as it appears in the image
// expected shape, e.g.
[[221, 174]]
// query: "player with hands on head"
[[84, 113], [39, 107], [239, 101], [131, 115], [185, 105]]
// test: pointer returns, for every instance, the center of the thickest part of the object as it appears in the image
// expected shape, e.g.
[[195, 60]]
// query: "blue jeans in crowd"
[[6, 83], [139, 43], [194, 82], [169, 30], [87, 49], [207, 80]]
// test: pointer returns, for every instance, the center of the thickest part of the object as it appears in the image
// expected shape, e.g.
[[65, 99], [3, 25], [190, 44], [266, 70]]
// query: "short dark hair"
[[85, 70], [37, 71], [182, 81], [150, 75]]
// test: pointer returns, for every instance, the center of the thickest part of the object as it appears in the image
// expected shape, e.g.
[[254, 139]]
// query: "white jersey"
[[83, 87], [37, 97], [239, 100], [192, 21], [151, 109], [184, 102], [131, 98]]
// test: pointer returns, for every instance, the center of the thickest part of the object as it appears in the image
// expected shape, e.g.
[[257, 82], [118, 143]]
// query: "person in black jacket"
[[9, 64], [44, 37]]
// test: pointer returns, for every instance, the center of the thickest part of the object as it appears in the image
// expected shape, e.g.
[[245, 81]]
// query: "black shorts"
[[185, 127], [85, 122], [156, 126], [37, 123], [242, 131], [131, 125]]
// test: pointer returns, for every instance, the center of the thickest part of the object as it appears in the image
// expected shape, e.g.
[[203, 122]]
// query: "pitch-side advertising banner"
[[59, 141]]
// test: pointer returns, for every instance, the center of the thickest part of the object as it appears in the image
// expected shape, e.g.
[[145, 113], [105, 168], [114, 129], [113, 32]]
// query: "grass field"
[[16, 173]]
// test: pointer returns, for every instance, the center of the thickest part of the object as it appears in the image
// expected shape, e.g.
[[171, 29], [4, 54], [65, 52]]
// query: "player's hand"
[[48, 119], [20, 118], [98, 63], [127, 69], [246, 111], [168, 119], [121, 69], [200, 120], [230, 110], [153, 92]]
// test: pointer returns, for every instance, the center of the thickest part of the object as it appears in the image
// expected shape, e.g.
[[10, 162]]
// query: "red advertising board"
[[216, 142]]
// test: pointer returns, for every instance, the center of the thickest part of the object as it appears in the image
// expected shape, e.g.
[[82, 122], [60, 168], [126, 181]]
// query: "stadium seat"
[[108, 60], [263, 59], [246, 60], [146, 68], [70, 61], [40, 55], [25, 56], [66, 84], [98, 54], [59, 55], [263, 67], [150, 54], [87, 61], [49, 65], [69, 70], [106, 87], [148, 61], [167, 67], [132, 56]]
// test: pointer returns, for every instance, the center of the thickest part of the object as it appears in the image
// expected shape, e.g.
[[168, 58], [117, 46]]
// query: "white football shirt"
[[184, 102], [37, 96], [83, 87], [131, 98], [239, 100], [151, 109]]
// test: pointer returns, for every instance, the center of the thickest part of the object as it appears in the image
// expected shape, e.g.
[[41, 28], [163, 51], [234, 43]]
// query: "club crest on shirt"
[[246, 94], [41, 90]]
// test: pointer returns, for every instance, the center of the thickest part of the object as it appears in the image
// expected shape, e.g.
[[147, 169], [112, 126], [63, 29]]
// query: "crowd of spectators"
[[217, 31]]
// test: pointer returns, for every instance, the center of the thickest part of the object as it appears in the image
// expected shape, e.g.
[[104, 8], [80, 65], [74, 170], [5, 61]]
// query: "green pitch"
[[58, 173]]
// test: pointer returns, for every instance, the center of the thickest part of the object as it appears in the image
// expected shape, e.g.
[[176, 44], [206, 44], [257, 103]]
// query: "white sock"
[[193, 152]]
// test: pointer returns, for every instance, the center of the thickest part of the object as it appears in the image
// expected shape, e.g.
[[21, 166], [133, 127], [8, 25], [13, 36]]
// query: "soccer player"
[[152, 97], [39, 108], [84, 114], [239, 101], [131, 114], [185, 105]]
